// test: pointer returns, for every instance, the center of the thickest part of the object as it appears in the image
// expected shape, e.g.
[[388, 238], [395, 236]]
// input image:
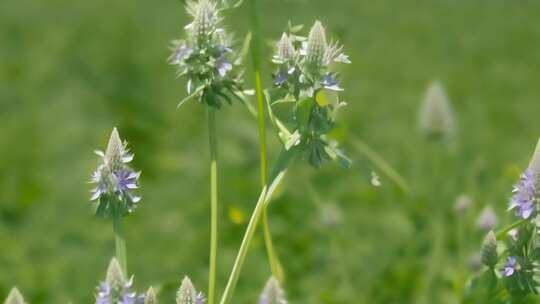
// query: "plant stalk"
[[213, 204], [279, 171], [120, 242], [275, 265]]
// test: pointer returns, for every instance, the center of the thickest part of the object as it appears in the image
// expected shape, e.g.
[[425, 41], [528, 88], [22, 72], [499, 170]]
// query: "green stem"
[[502, 233], [279, 171], [381, 164], [213, 204], [275, 265], [120, 242]]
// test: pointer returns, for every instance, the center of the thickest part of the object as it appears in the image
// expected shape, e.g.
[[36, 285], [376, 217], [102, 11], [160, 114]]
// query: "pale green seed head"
[[273, 293], [150, 297], [534, 165], [115, 151], [436, 118], [186, 293], [14, 297], [115, 277], [285, 50], [316, 46], [205, 20]]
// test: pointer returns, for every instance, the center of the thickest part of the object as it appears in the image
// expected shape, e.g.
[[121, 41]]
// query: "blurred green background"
[[71, 70]]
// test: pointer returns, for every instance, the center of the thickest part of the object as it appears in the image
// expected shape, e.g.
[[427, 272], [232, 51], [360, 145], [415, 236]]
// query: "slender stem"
[[213, 204], [120, 242], [266, 194], [255, 43]]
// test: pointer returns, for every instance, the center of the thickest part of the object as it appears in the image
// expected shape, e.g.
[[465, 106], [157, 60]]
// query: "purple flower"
[[523, 198], [126, 180], [280, 78], [108, 295], [180, 53], [510, 266], [104, 294], [200, 299], [223, 66], [330, 82]]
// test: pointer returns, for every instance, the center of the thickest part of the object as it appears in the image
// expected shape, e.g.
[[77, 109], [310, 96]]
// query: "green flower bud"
[[489, 250], [150, 297], [14, 297], [316, 47], [436, 119], [115, 277]]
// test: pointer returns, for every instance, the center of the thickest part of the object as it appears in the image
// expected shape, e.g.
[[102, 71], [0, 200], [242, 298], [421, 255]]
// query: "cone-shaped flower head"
[[114, 179], [151, 297], [487, 220], [14, 297], [272, 293], [187, 294], [489, 250], [316, 47], [205, 20], [115, 277], [462, 204], [205, 56], [534, 165], [116, 289], [436, 119], [285, 51]]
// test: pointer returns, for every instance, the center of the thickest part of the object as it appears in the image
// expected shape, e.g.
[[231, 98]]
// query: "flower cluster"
[[115, 181], [305, 78], [116, 289], [514, 270], [525, 198], [204, 57], [187, 294]]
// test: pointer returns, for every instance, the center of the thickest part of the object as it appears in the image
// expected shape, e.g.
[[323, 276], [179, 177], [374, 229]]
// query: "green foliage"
[[71, 70]]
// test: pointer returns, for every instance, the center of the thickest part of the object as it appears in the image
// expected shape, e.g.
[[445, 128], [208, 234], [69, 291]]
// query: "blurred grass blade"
[[381, 164]]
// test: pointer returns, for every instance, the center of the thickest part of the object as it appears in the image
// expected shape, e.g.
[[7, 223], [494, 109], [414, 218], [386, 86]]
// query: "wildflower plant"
[[115, 185], [308, 85], [512, 256], [116, 288], [305, 79], [205, 58]]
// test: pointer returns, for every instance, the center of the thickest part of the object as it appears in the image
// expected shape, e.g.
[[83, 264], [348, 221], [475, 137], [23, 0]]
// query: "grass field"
[[71, 70]]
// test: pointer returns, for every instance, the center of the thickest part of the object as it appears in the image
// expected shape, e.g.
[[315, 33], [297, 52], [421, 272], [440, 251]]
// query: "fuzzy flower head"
[[272, 293], [116, 289], [115, 181], [151, 297], [205, 56], [305, 80], [436, 118], [14, 297], [187, 294], [524, 198], [487, 220], [510, 267]]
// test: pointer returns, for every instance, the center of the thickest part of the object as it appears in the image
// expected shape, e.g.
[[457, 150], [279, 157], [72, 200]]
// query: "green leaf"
[[302, 114]]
